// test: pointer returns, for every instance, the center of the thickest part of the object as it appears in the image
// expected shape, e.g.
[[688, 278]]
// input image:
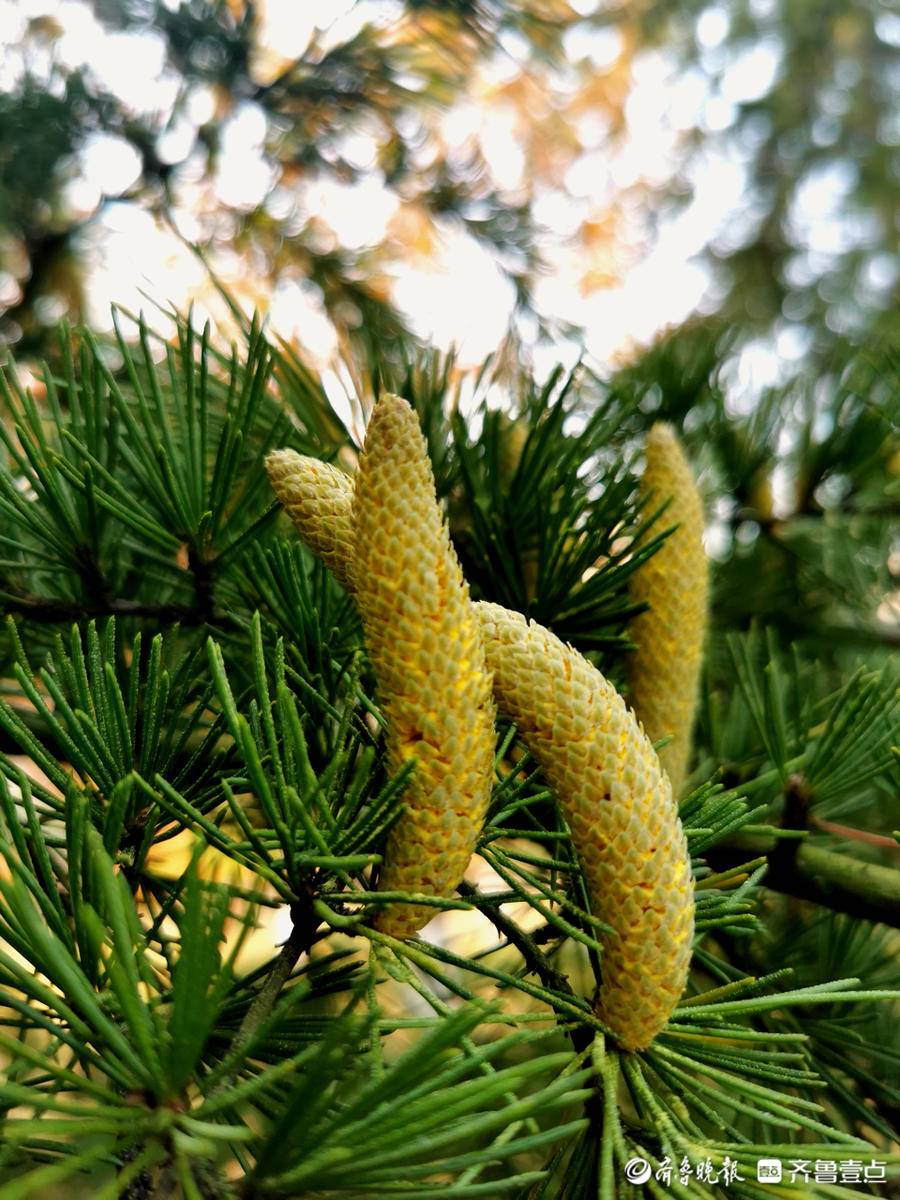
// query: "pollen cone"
[[425, 647], [664, 672], [618, 804], [318, 499], [614, 794]]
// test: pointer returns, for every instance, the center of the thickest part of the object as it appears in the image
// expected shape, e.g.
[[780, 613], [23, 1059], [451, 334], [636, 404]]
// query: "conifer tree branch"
[[49, 610], [203, 571], [535, 959], [303, 931], [158, 1185], [854, 835], [102, 603], [836, 881]]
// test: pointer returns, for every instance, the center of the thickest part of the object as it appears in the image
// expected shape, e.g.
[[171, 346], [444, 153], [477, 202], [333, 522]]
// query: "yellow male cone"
[[619, 806], [664, 671], [426, 652], [615, 797], [318, 498], [394, 552]]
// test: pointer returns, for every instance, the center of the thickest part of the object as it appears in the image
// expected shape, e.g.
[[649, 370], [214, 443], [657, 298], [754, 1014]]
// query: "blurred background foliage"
[[588, 172]]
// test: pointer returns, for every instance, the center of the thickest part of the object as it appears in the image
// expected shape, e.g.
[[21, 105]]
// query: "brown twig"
[[299, 941], [48, 610], [855, 835], [535, 960]]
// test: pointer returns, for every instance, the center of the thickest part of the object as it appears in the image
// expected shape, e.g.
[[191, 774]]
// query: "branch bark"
[[836, 881], [535, 959], [49, 610], [302, 935]]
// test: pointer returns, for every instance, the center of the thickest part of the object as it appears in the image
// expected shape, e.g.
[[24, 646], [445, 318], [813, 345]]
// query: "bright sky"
[[456, 294]]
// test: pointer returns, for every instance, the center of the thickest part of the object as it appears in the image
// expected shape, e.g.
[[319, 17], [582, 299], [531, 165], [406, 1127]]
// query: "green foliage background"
[[176, 660]]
